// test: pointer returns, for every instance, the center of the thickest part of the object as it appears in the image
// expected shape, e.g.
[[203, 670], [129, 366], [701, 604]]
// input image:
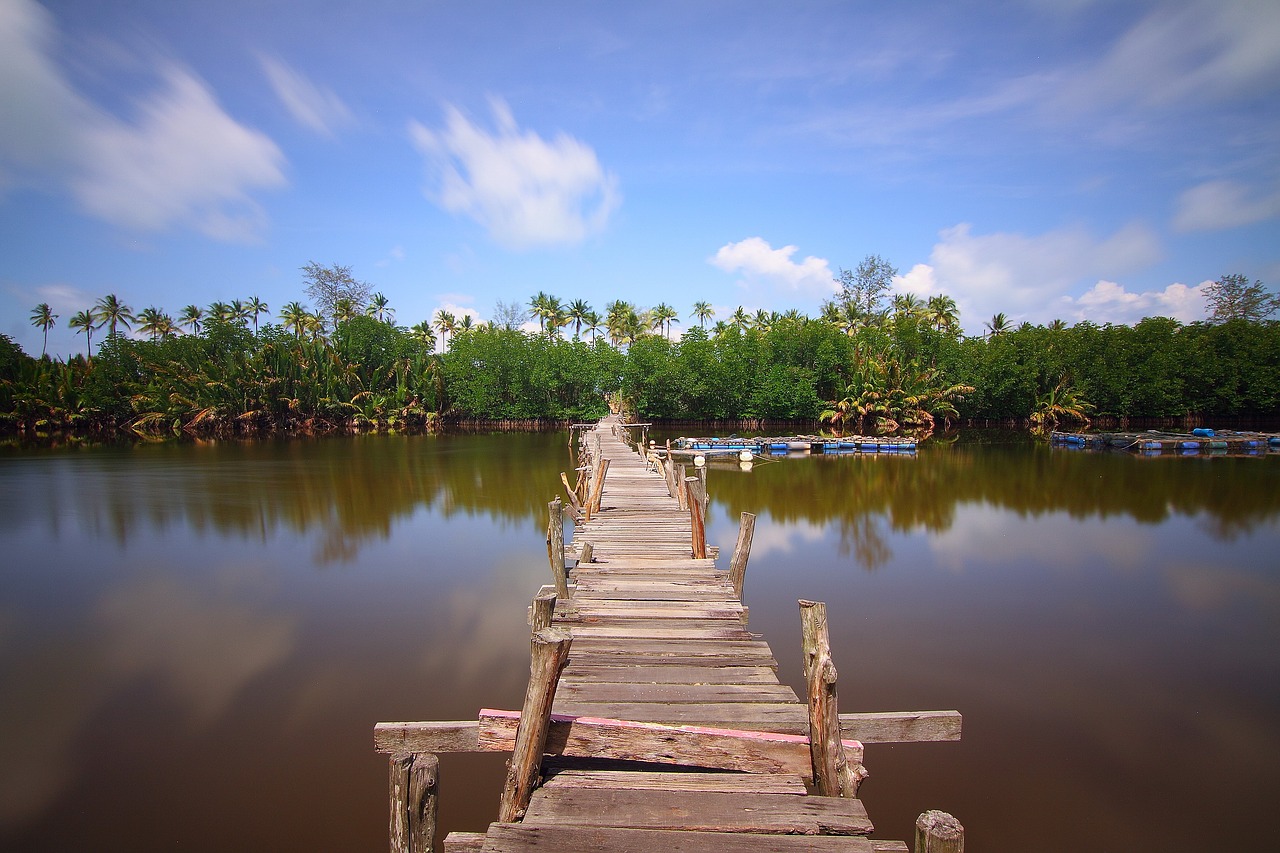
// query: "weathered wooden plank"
[[628, 740], [901, 726], [654, 632], [464, 842], [748, 783], [601, 692], [427, 736], [608, 670], [702, 811], [784, 717], [540, 838]]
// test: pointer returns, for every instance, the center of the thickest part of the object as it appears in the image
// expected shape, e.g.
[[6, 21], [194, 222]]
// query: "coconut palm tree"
[[110, 311], [1058, 326], [447, 324], [294, 316], [152, 322], [256, 306], [740, 319], [378, 308], [1062, 402], [662, 316], [84, 320], [43, 317], [907, 305], [239, 312], [540, 307], [344, 310], [942, 313], [762, 320], [221, 311], [997, 325], [191, 316], [620, 321], [421, 332], [592, 321], [556, 318], [703, 312], [577, 312]]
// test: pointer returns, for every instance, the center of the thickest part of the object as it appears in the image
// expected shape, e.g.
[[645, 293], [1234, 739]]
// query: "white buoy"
[[746, 465], [745, 456], [699, 460]]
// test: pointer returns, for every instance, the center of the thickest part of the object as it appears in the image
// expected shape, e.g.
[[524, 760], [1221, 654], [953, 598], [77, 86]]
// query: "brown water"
[[195, 640]]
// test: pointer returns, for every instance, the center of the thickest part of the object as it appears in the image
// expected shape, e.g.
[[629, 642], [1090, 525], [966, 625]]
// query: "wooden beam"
[[902, 726], [700, 746], [429, 736]]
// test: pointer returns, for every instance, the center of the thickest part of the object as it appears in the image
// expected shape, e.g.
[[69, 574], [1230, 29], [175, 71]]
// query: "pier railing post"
[[742, 552], [597, 487], [414, 802], [550, 652], [544, 608], [698, 522], [938, 832], [832, 776], [555, 547]]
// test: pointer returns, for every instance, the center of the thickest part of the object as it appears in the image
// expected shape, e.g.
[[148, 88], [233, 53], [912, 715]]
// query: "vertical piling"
[[555, 547], [832, 776], [698, 522], [414, 802], [742, 552], [938, 832], [550, 652]]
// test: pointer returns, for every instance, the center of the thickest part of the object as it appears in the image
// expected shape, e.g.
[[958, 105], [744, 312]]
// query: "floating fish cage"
[[1155, 442], [785, 446]]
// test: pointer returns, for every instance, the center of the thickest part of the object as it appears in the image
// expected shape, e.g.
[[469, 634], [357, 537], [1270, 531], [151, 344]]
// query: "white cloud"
[[1109, 302], [525, 190], [1217, 205], [1026, 276], [184, 162], [311, 105], [757, 261]]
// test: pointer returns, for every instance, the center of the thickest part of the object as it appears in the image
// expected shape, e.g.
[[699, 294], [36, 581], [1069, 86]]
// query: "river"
[[196, 639]]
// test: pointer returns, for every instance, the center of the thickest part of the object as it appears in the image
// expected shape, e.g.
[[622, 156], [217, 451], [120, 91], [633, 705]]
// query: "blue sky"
[[1072, 159]]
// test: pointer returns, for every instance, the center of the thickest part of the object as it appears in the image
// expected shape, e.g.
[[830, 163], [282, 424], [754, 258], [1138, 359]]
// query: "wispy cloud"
[[183, 161], [1218, 205], [760, 263], [312, 106], [525, 190]]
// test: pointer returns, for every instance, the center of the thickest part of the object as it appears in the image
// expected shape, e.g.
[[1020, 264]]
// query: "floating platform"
[[787, 445], [1156, 442]]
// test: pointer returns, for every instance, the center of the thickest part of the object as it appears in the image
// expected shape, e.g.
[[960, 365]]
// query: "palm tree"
[[997, 325], [43, 317], [447, 324], [663, 316], [704, 312], [343, 310], [907, 305], [540, 307], [577, 313], [112, 312], [421, 332], [378, 308], [294, 316], [591, 320], [153, 321], [86, 321], [1061, 403], [466, 324], [942, 313], [740, 319], [1058, 326], [256, 306], [621, 321], [221, 312], [191, 318], [557, 317], [762, 320], [239, 312]]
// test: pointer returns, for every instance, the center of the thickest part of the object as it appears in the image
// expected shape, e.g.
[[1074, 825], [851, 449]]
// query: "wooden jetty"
[[1156, 442], [654, 720], [684, 447]]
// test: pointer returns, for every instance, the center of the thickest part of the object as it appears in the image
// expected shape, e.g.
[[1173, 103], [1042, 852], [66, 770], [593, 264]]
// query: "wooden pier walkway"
[[667, 728]]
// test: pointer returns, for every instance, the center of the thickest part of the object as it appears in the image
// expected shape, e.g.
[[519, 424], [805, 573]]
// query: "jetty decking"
[[654, 719]]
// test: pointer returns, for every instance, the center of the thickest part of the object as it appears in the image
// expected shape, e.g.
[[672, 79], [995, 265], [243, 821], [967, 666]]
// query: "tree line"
[[866, 364]]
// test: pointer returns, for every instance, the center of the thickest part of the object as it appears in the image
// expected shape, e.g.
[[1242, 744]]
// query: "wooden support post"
[[573, 496], [588, 553], [832, 776], [597, 490], [555, 547], [938, 832], [742, 552], [544, 608], [669, 472], [414, 802], [550, 652], [681, 492], [693, 488]]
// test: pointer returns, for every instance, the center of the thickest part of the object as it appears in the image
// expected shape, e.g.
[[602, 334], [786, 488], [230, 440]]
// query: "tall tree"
[[153, 322], [43, 318], [294, 316], [508, 315], [577, 313], [865, 287], [190, 317], [663, 316], [326, 285], [378, 308], [997, 325], [85, 321], [942, 313], [256, 306], [447, 324], [703, 312], [1233, 298], [422, 333], [740, 318], [110, 311]]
